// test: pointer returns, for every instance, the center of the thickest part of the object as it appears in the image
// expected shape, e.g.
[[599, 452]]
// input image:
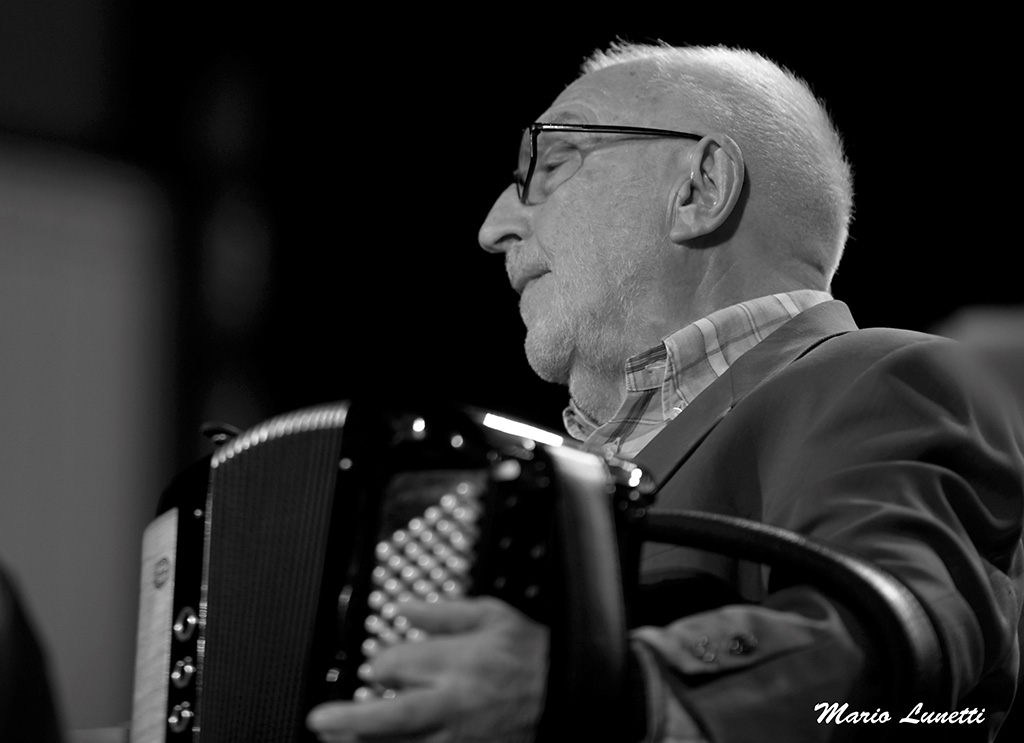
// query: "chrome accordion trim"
[[309, 419]]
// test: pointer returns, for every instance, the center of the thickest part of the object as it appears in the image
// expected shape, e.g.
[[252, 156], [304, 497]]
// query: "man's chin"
[[549, 361]]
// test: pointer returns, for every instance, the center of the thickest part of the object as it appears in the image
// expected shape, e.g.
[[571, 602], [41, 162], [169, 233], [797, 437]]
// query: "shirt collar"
[[684, 364]]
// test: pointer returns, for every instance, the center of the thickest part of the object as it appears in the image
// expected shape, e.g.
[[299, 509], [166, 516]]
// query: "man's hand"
[[480, 676]]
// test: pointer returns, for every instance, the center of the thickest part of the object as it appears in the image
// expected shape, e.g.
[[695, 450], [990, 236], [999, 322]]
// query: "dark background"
[[371, 153]]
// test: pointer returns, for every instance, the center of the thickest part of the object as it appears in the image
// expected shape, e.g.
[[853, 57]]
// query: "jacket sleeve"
[[913, 465]]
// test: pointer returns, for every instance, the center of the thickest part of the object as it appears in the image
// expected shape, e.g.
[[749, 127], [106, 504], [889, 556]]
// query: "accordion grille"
[[268, 525]]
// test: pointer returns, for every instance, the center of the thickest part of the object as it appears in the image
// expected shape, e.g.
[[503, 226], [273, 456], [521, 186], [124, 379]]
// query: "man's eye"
[[550, 166]]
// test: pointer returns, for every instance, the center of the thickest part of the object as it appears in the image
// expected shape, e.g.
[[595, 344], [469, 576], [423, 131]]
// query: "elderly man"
[[675, 223]]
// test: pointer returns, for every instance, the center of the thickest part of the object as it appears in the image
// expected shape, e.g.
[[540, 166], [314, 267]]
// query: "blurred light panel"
[[84, 378]]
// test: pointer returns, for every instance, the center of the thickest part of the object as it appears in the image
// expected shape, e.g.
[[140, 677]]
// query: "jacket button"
[[742, 644], [702, 650]]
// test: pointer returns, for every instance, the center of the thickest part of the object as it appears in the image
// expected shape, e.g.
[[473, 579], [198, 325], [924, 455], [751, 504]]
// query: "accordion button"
[[183, 672], [180, 718], [370, 647], [365, 672], [457, 564], [362, 694], [185, 624], [508, 470], [422, 587]]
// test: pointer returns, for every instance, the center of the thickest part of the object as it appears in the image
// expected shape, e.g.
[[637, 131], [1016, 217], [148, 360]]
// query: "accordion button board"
[[428, 560]]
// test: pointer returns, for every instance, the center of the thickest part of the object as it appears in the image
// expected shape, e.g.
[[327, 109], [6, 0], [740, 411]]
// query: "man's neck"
[[598, 396], [599, 390]]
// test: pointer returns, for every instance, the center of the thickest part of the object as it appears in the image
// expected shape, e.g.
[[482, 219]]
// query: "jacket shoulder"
[[867, 346]]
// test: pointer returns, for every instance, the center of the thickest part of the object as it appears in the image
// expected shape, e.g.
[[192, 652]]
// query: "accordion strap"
[[892, 615]]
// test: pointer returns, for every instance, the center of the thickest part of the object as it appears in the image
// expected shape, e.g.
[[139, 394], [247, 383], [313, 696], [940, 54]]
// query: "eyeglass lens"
[[557, 160]]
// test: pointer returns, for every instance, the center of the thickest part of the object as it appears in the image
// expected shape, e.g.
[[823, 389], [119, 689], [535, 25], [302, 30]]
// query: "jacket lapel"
[[667, 452]]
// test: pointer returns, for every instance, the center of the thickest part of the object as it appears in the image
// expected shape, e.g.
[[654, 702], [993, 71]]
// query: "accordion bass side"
[[272, 574]]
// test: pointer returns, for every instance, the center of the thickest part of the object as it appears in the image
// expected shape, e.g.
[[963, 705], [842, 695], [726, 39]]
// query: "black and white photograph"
[[460, 376]]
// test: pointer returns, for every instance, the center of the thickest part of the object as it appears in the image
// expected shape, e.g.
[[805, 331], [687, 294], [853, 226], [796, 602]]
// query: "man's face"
[[580, 258]]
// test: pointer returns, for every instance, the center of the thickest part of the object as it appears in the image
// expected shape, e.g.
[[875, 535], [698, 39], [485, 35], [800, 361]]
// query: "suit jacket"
[[880, 442]]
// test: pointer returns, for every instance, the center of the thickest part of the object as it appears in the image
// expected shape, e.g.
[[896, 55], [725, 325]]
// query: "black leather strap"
[[884, 606]]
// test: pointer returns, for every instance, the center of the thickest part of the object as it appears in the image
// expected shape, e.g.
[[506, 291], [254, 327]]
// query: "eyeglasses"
[[560, 158]]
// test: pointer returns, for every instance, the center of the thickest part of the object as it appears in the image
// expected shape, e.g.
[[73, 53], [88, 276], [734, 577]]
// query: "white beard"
[[594, 308], [585, 347]]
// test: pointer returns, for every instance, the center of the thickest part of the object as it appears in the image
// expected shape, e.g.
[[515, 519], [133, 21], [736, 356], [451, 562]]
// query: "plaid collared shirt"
[[663, 380]]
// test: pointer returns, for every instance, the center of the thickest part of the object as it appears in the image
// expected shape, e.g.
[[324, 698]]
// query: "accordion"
[[272, 574]]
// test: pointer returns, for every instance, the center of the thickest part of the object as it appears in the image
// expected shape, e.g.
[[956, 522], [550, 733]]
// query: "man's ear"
[[708, 188]]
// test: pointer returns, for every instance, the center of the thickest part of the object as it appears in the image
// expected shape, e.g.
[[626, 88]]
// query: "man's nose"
[[506, 224]]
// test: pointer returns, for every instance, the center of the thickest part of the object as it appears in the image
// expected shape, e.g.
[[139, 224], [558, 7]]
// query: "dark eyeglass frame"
[[523, 182]]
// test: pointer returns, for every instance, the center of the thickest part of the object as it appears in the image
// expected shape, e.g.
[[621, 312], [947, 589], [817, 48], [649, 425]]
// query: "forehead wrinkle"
[[623, 94]]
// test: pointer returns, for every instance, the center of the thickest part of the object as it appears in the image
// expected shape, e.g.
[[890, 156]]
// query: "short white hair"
[[793, 152]]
